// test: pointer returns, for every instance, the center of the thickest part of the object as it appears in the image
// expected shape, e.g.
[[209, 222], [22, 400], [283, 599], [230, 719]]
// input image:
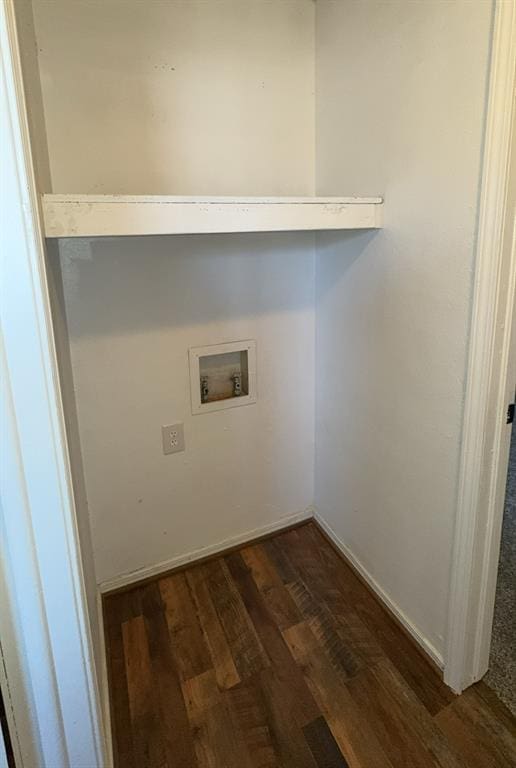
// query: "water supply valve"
[[205, 390], [237, 384]]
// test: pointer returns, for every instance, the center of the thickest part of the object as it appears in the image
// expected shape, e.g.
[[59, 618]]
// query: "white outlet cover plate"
[[173, 437], [195, 354]]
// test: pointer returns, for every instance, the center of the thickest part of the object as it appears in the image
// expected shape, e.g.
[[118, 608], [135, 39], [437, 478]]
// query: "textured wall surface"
[[179, 97], [183, 97], [134, 307], [400, 110]]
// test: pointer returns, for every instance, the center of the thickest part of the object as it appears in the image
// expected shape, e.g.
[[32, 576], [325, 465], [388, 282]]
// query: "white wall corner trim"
[[384, 598], [40, 542], [150, 571], [472, 559]]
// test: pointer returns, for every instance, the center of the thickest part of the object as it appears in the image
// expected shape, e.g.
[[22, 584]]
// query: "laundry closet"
[[259, 224]]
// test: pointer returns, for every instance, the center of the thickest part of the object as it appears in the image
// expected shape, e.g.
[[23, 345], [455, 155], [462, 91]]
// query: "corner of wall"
[[388, 602], [61, 337], [28, 48]]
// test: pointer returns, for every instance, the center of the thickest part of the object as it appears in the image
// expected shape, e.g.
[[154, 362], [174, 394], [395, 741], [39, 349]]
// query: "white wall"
[[400, 106], [36, 120], [178, 96], [184, 97], [34, 98], [134, 307], [62, 343]]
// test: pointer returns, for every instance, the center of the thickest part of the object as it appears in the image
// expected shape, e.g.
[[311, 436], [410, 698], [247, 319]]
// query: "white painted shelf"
[[115, 215]]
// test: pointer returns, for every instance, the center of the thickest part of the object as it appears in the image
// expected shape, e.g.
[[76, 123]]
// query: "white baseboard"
[[104, 684], [425, 644], [132, 577], [125, 579]]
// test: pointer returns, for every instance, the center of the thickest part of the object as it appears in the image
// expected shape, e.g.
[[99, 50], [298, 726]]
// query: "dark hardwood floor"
[[277, 656]]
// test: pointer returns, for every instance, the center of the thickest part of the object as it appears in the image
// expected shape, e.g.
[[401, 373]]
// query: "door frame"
[[52, 690], [49, 686], [484, 453]]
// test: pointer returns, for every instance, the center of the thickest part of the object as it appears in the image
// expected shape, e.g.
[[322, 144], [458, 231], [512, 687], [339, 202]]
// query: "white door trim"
[[48, 660], [480, 501]]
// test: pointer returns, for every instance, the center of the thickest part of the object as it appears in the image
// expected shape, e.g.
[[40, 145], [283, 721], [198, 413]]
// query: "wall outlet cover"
[[173, 438]]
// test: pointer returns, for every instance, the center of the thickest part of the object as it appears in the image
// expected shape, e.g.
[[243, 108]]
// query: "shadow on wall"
[[127, 285], [343, 249]]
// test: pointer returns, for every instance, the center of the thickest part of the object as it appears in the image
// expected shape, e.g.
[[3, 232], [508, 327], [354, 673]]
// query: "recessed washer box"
[[222, 376]]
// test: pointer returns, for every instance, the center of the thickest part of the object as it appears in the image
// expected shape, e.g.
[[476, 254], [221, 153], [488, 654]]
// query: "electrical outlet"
[[173, 437]]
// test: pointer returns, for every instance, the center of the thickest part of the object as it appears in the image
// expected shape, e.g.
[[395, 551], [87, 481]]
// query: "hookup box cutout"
[[222, 376]]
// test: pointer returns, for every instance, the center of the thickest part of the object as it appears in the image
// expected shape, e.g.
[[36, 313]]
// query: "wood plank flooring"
[[277, 656]]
